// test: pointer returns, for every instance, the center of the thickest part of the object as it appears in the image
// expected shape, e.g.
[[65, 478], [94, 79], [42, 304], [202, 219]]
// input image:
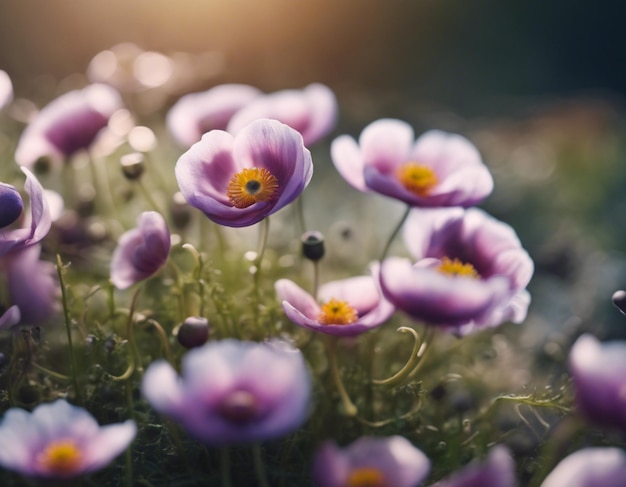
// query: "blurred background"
[[539, 86]]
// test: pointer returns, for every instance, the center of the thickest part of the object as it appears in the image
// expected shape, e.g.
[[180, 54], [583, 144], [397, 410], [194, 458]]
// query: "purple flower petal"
[[6, 89], [498, 470], [590, 467], [394, 460]]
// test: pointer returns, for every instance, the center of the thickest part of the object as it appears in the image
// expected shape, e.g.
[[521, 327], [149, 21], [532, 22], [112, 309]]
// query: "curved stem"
[[349, 408], [385, 422], [164, 341], [394, 233], [68, 326], [260, 251], [52, 373], [416, 354], [147, 196]]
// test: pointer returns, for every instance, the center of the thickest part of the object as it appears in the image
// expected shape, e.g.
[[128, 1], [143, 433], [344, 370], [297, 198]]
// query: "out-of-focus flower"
[[350, 306], [197, 113], [498, 470], [233, 392], [141, 252], [237, 181], [439, 169], [32, 285], [61, 441], [311, 111], [368, 461], [599, 374], [6, 89], [590, 467], [68, 124], [38, 222], [471, 271]]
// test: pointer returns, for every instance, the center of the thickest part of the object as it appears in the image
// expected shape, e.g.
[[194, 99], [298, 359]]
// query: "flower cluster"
[[245, 349]]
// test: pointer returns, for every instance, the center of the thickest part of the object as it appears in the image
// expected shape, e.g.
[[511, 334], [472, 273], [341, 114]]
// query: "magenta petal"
[[10, 317], [590, 467], [346, 156], [297, 297], [385, 144]]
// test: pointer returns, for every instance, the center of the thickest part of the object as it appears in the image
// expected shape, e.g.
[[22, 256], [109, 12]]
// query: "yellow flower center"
[[366, 477], [252, 185], [61, 458], [416, 178], [456, 267], [336, 312]]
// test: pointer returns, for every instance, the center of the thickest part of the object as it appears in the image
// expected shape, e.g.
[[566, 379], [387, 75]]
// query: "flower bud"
[[179, 211], [313, 245], [194, 332], [619, 300], [133, 165], [11, 204]]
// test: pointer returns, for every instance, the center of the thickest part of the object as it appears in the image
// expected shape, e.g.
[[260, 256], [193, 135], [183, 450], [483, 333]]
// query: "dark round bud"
[[42, 165], [133, 165], [11, 205], [438, 392], [194, 332], [179, 210], [619, 300], [313, 245]]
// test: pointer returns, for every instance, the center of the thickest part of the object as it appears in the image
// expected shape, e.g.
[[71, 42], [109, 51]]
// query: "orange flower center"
[[61, 458], [366, 477], [416, 178], [252, 185], [336, 312], [456, 267]]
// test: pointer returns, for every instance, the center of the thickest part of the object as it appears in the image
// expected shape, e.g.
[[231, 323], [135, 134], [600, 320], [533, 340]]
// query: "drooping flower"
[[237, 181], [6, 89], [32, 285], [68, 124], [497, 470], [370, 462], [59, 441], [471, 271], [439, 169], [599, 374], [197, 113], [590, 467], [311, 111], [36, 225], [233, 392], [141, 252], [349, 306]]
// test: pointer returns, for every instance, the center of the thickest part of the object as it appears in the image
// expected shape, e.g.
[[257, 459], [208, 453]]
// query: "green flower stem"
[[147, 196], [225, 467], [259, 467], [51, 373], [413, 361], [316, 278], [394, 233], [68, 327], [300, 210], [349, 408], [260, 251], [164, 341]]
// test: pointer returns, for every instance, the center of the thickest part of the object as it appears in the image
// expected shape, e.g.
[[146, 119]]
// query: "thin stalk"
[[394, 233], [225, 467], [331, 348], [260, 251], [316, 278], [411, 363], [259, 467], [300, 210], [148, 197], [68, 327]]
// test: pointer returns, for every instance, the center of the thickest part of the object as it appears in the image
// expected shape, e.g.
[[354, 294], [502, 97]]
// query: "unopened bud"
[[133, 165], [180, 212], [313, 245], [194, 332], [619, 300], [10, 203]]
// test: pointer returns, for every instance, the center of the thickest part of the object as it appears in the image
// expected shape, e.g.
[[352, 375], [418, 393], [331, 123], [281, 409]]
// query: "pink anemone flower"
[[349, 307], [439, 169], [59, 441], [471, 271], [239, 180], [311, 111]]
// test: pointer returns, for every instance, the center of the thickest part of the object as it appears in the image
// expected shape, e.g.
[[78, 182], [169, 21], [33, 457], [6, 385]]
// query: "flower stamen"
[[366, 477], [61, 458], [252, 185], [456, 267], [416, 178], [336, 312]]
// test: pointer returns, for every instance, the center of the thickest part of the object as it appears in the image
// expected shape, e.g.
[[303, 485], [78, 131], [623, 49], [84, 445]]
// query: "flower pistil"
[[252, 185], [456, 267], [61, 458], [366, 477], [417, 178], [336, 312]]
